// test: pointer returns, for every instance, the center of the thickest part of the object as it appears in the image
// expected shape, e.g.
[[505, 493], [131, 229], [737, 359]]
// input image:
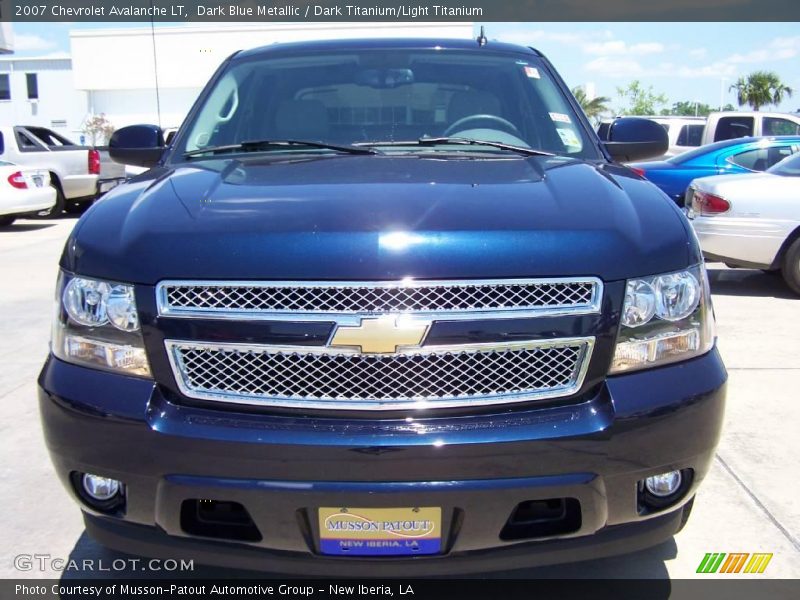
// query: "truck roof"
[[751, 113], [385, 43]]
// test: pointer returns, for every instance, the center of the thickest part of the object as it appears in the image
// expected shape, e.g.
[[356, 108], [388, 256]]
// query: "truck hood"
[[381, 217]]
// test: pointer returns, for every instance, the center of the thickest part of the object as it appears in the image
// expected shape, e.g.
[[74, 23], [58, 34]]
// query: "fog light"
[[663, 485], [100, 488]]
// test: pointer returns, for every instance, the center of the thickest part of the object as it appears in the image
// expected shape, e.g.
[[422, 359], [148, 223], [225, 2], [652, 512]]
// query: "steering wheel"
[[507, 125]]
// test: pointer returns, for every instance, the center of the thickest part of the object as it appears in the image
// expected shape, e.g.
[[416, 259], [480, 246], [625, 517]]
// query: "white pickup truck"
[[735, 124], [73, 169]]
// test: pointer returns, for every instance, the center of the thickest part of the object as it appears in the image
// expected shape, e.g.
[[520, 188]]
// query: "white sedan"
[[751, 220], [23, 191]]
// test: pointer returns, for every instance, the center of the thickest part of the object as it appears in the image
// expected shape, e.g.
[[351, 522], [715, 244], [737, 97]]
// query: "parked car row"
[[737, 156], [741, 194], [73, 169], [686, 133], [751, 220], [73, 175]]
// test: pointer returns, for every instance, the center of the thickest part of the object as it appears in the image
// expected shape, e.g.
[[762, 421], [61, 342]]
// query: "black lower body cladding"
[[521, 487]]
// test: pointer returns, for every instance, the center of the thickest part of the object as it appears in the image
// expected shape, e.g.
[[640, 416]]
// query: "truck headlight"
[[97, 325], [665, 318]]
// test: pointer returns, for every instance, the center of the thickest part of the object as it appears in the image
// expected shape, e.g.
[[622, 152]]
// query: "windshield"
[[371, 97], [788, 167]]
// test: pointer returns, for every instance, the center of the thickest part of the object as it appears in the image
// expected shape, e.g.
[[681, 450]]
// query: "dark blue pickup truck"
[[384, 307]]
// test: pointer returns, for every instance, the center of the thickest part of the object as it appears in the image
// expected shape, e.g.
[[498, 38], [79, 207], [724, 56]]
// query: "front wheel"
[[791, 266], [7, 220]]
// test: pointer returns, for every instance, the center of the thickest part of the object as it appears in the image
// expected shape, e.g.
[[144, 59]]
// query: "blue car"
[[741, 155], [384, 308]]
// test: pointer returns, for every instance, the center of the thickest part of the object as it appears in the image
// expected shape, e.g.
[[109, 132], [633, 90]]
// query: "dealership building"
[[153, 75]]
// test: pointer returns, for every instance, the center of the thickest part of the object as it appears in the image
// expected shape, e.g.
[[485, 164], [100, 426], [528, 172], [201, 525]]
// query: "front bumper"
[[476, 468]]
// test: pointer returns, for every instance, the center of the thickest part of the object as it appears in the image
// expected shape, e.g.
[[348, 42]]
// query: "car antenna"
[[482, 41]]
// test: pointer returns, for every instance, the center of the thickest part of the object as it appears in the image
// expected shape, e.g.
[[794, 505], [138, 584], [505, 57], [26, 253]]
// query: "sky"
[[694, 62]]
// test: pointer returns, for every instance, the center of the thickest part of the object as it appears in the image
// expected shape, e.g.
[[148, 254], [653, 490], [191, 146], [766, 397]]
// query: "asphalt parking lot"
[[749, 502]]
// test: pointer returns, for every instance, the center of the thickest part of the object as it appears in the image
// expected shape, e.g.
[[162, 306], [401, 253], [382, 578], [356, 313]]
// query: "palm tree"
[[761, 88], [593, 108]]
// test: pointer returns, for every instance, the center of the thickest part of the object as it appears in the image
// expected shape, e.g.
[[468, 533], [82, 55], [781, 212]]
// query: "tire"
[[7, 220], [55, 211], [790, 267]]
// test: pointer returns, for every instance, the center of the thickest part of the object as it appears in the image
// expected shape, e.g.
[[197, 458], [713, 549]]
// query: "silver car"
[[751, 220]]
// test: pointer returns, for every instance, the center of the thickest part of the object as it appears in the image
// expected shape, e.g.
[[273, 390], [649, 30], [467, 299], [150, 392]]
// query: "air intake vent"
[[543, 518]]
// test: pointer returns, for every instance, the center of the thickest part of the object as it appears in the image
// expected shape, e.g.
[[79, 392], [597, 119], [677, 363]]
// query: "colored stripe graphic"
[[711, 562], [734, 563], [758, 563], [703, 563]]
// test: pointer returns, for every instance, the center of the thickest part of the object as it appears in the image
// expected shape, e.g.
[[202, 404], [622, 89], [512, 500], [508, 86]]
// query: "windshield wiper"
[[462, 141], [258, 145]]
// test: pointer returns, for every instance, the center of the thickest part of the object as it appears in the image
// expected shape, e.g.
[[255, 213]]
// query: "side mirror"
[[631, 138], [138, 145]]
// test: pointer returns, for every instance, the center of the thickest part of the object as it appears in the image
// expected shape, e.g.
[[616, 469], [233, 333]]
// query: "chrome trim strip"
[[354, 318], [173, 348]]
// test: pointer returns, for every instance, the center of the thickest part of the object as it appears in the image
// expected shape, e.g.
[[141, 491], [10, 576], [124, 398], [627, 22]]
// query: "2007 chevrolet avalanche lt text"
[[384, 308]]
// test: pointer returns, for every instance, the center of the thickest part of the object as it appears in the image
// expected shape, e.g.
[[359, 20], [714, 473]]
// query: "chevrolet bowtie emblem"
[[381, 335]]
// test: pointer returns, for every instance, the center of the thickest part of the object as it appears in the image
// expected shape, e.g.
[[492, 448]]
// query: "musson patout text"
[[259, 590], [401, 11]]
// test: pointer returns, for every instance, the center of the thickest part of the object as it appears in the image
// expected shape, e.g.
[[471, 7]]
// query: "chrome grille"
[[436, 376], [452, 299]]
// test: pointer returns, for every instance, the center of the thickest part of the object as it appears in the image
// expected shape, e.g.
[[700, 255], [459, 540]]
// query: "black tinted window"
[[690, 135], [32, 83], [729, 128], [777, 126], [5, 87]]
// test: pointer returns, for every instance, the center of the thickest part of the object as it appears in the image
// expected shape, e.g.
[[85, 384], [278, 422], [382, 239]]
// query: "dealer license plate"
[[380, 531]]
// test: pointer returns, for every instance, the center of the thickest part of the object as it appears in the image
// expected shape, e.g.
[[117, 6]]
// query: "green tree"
[[594, 108], [685, 108], [761, 88], [641, 101]]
